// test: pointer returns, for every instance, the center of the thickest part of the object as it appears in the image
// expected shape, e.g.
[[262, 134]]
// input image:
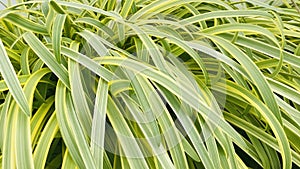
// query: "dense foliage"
[[150, 84]]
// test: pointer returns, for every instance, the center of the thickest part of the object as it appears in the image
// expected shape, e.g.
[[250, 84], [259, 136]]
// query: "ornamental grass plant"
[[139, 84]]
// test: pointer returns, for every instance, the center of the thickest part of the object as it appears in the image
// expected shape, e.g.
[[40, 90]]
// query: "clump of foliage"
[[150, 84]]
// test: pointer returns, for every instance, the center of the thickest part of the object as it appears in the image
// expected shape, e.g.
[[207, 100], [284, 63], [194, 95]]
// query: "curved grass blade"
[[224, 28], [126, 8], [96, 23], [57, 7], [99, 121], [71, 130], [3, 117], [39, 119], [57, 29], [11, 80], [25, 23], [68, 162], [22, 130], [89, 64], [264, 48], [22, 79], [9, 150], [80, 99], [46, 56], [42, 149], [24, 61], [224, 14]]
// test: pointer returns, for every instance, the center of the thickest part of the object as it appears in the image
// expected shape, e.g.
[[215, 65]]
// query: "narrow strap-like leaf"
[[57, 29], [47, 136], [46, 56], [99, 121], [10, 77], [25, 23]]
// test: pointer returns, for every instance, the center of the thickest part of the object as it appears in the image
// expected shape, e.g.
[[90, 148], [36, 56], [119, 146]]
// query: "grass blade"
[[57, 29], [11, 80], [46, 56]]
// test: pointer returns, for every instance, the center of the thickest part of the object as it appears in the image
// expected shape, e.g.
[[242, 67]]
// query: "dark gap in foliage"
[[184, 57], [294, 166], [281, 97], [54, 158], [195, 164], [241, 132], [288, 51], [246, 158]]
